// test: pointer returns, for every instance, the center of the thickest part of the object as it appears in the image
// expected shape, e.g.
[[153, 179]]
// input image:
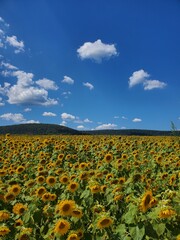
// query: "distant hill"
[[53, 129], [37, 129], [135, 132]]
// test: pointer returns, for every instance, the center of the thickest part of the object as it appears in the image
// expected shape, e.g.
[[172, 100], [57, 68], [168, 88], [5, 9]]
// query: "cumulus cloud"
[[88, 85], [96, 50], [137, 120], [18, 45], [141, 77], [80, 127], [67, 80], [106, 126], [24, 93], [15, 117], [48, 114], [87, 120], [67, 116], [47, 84], [138, 77], [63, 123], [151, 84]]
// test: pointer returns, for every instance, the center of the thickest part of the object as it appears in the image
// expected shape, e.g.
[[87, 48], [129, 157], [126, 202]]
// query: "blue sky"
[[90, 64]]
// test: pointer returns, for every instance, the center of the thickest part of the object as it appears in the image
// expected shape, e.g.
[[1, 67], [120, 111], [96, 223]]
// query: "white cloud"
[[151, 84], [66, 94], [67, 116], [49, 114], [47, 84], [1, 102], [137, 120], [4, 90], [123, 127], [32, 121], [125, 118], [15, 117], [141, 77], [106, 126], [24, 93], [67, 80], [27, 110], [8, 66], [116, 117], [138, 77], [63, 123], [80, 127], [18, 45], [88, 85], [96, 50], [87, 120]]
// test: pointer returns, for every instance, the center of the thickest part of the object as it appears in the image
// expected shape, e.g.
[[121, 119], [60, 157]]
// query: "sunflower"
[[51, 180], [20, 169], [65, 207], [104, 222], [73, 236], [122, 180], [16, 189], [4, 215], [77, 213], [62, 226], [53, 197], [64, 179], [19, 208], [46, 197], [108, 157], [83, 175], [80, 234], [95, 188], [30, 183], [73, 186], [9, 197], [166, 213], [40, 179], [40, 191], [4, 230], [145, 201], [18, 223], [82, 165]]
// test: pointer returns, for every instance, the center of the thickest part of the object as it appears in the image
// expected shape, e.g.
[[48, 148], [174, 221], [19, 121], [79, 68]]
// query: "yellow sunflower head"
[[65, 207], [61, 227]]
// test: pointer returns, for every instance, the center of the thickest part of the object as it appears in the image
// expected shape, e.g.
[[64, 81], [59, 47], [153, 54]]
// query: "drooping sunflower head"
[[61, 227], [145, 201], [166, 213], [104, 222], [9, 197], [77, 213], [4, 230], [4, 215], [73, 236]]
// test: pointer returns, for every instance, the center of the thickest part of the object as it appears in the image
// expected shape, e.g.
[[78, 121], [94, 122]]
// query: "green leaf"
[[159, 228], [121, 228], [137, 233]]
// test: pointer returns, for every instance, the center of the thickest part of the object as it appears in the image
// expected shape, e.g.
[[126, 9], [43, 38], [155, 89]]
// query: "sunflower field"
[[89, 187]]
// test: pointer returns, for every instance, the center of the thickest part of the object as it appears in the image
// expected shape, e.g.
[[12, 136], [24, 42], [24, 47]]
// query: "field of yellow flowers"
[[89, 187]]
